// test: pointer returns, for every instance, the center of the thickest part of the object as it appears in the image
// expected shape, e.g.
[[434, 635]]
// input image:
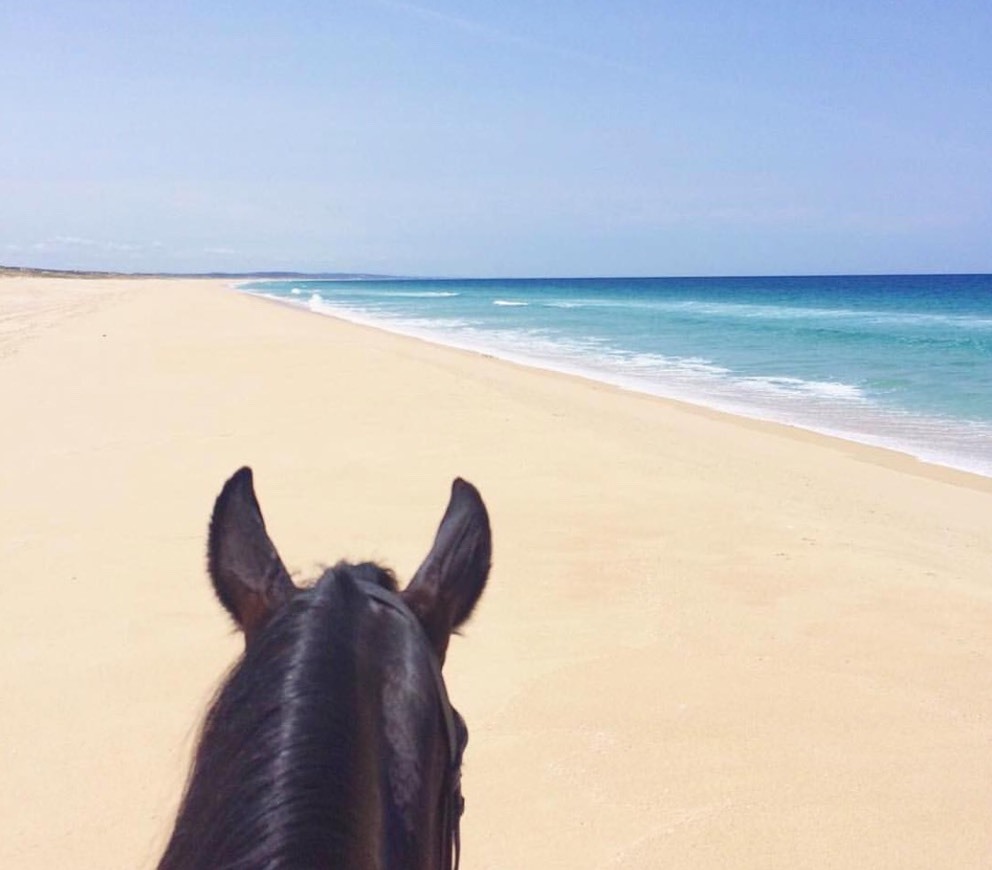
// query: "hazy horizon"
[[384, 276]]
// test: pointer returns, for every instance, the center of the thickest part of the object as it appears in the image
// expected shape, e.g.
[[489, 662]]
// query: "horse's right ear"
[[448, 584], [247, 573]]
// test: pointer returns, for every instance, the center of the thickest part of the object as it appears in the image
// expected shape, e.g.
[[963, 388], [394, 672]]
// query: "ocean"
[[903, 362]]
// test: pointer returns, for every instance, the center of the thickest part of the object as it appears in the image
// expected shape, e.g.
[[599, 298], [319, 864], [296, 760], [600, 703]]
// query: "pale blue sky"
[[512, 138]]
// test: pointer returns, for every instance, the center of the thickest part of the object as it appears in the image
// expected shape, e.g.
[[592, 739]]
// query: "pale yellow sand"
[[706, 642]]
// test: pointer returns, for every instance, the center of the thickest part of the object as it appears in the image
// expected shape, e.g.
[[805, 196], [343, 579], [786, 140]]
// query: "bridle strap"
[[454, 804]]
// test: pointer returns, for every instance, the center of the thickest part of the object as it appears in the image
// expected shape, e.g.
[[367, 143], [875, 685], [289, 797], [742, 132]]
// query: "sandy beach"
[[706, 642]]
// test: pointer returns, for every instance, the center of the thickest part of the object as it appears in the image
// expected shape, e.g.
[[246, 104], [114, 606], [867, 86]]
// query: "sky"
[[705, 137]]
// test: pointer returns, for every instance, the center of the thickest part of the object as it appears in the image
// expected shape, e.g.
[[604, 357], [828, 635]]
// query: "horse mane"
[[280, 743]]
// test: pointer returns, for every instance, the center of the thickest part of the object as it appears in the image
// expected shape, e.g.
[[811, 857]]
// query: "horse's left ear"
[[448, 584], [248, 576]]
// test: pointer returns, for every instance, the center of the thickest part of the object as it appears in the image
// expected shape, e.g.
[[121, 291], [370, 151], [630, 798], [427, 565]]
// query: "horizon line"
[[275, 274]]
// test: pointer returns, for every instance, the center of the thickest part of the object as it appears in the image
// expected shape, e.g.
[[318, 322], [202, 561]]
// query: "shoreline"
[[895, 456], [706, 641]]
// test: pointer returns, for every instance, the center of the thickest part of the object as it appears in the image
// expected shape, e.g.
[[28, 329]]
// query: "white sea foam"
[[406, 294], [510, 303], [430, 324], [780, 386], [780, 313]]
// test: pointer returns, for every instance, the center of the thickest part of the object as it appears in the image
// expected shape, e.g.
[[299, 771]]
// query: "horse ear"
[[448, 584], [247, 573]]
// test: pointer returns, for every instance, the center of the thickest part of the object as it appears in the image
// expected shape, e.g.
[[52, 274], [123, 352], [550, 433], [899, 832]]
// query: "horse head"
[[332, 743]]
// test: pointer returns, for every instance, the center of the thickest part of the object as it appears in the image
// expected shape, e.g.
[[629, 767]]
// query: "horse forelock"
[[365, 572]]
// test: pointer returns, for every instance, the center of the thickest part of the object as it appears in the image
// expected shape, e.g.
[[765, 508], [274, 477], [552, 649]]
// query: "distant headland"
[[25, 272]]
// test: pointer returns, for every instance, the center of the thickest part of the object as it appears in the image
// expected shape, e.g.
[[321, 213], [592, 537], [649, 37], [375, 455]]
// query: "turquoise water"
[[898, 361]]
